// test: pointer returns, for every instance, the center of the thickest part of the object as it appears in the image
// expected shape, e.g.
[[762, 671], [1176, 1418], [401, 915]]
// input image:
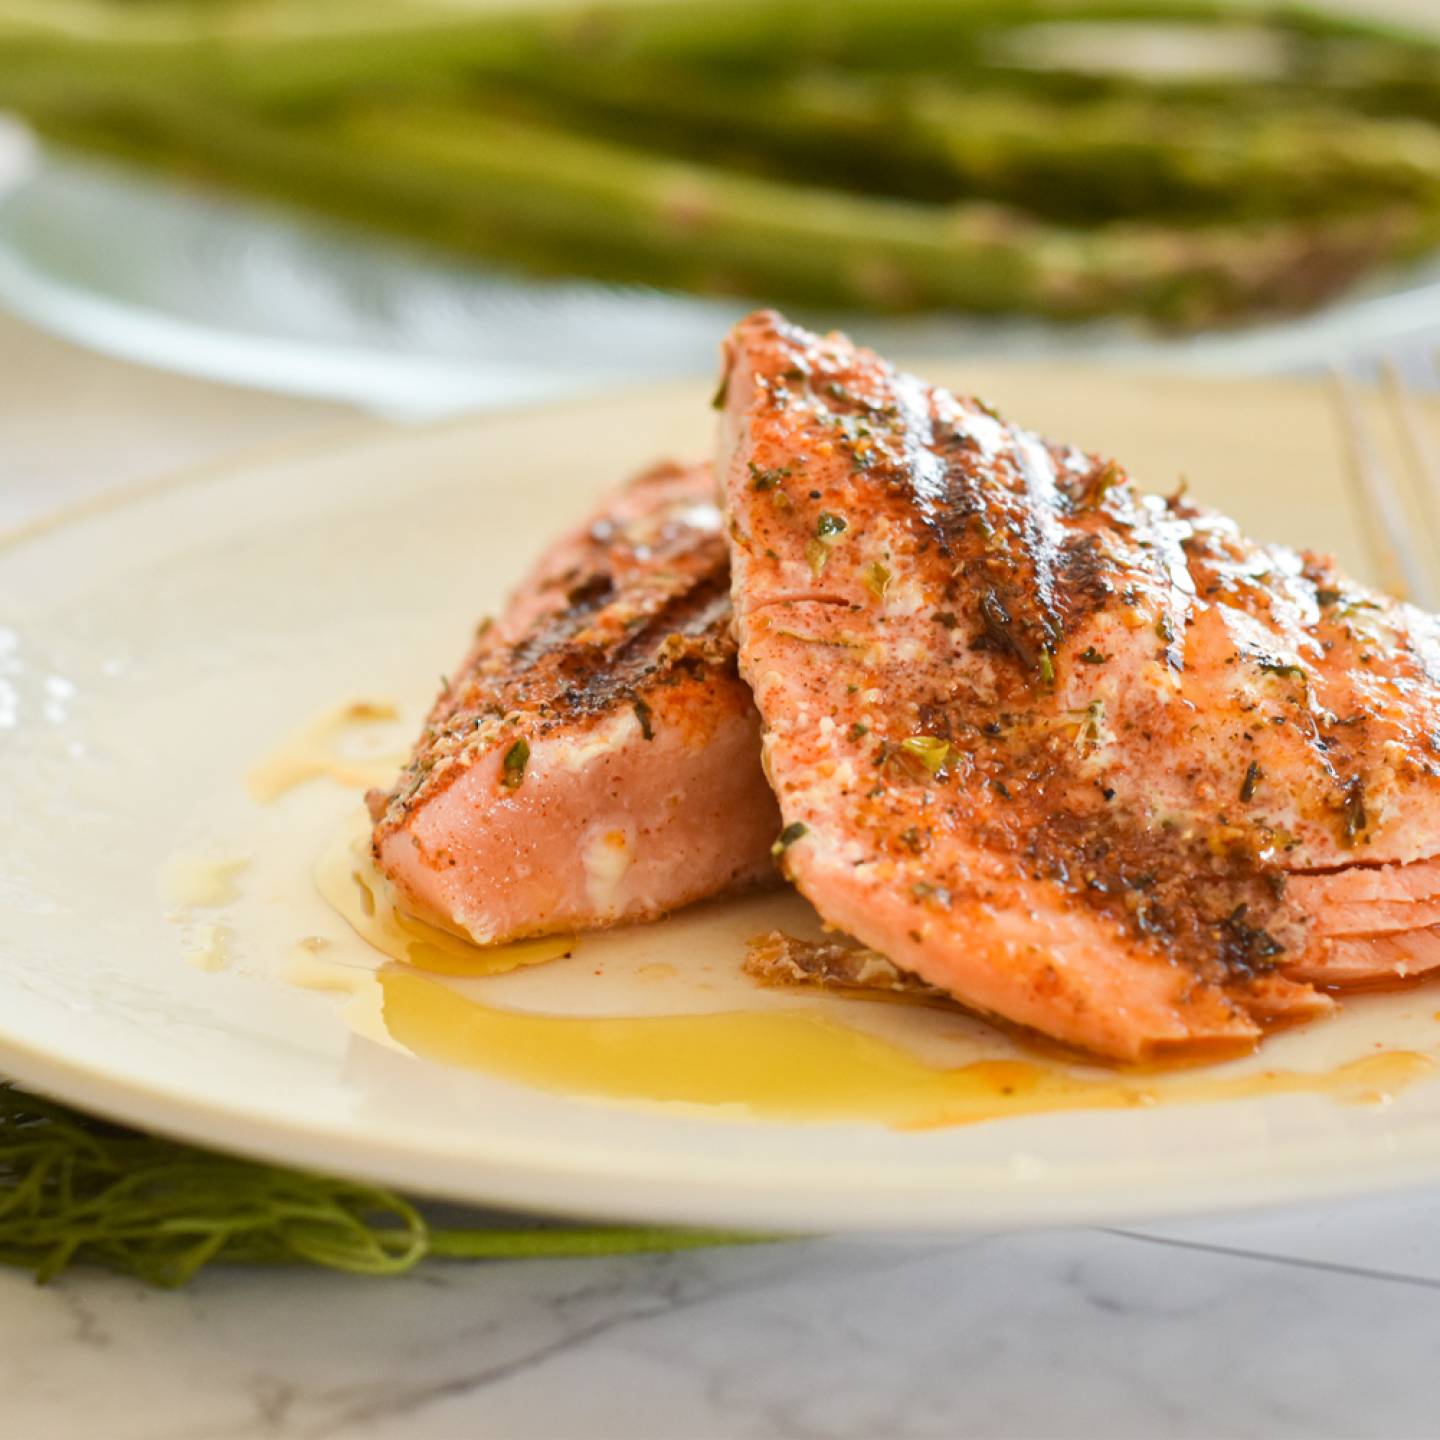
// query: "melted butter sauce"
[[207, 946], [790, 1063], [310, 967], [199, 881], [329, 747], [195, 882], [804, 1066]]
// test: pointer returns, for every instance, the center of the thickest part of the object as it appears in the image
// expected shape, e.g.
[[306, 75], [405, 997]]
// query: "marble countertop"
[[1314, 1324], [1317, 1324]]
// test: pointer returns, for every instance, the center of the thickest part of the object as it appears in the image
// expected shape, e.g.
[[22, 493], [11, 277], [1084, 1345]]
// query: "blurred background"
[[420, 206]]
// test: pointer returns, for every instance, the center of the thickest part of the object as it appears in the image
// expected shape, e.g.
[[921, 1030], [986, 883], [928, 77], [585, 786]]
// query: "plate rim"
[[629, 1195]]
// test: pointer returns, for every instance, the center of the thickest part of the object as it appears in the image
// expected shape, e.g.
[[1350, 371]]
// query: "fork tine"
[[1417, 438], [1402, 571]]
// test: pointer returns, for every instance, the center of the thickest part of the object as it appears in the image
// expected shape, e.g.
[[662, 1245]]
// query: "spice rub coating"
[[595, 757], [1087, 758]]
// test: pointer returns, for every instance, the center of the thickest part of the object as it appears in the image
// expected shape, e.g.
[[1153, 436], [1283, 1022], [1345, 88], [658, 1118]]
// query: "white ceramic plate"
[[152, 650]]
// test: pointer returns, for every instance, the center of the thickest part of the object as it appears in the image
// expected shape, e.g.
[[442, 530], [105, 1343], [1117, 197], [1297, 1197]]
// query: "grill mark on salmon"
[[595, 757], [1086, 758]]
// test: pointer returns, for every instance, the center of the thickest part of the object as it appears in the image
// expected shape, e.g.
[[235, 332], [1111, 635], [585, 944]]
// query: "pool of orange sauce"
[[792, 1064]]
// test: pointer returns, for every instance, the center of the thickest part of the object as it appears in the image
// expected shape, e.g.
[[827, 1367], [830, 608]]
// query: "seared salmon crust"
[[1085, 758], [595, 757]]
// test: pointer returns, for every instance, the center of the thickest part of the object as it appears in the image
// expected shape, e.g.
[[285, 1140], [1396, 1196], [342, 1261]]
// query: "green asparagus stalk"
[[397, 116], [494, 186], [825, 247], [307, 49], [1133, 156], [1079, 161]]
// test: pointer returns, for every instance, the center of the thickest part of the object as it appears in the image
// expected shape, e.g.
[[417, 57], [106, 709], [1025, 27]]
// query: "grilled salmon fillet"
[[1085, 758], [595, 757]]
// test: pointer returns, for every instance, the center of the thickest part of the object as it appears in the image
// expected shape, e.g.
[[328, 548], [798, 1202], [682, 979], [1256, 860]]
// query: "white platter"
[[154, 649], [234, 289]]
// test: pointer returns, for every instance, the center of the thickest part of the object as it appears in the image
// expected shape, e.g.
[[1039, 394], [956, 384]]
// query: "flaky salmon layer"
[[1085, 758], [594, 758]]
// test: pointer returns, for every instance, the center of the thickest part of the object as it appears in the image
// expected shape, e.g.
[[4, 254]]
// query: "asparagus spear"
[[830, 248], [497, 187], [307, 49], [1083, 161], [1135, 156], [254, 94]]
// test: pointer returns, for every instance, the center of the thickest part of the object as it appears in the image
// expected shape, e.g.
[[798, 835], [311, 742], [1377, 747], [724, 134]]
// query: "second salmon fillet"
[[1086, 759], [595, 757]]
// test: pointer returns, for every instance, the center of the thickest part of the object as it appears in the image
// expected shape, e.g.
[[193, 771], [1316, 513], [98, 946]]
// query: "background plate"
[[151, 651], [234, 289]]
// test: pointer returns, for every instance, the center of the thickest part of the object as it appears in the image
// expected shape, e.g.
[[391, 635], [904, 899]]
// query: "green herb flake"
[[830, 525], [722, 391], [644, 714], [788, 836], [1091, 656], [1047, 666], [1248, 943], [859, 731], [767, 479], [817, 555], [1285, 668], [929, 750], [517, 757], [1165, 630], [1326, 598], [876, 578], [924, 891], [1253, 776]]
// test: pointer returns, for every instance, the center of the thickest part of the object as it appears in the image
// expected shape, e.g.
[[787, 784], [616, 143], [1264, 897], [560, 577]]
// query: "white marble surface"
[[1319, 1325], [1304, 1325]]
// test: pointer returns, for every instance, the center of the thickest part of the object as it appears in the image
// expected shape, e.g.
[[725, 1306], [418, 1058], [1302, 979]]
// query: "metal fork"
[[1400, 504]]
